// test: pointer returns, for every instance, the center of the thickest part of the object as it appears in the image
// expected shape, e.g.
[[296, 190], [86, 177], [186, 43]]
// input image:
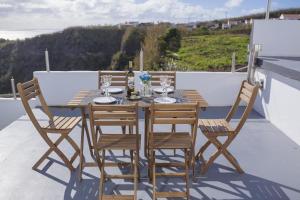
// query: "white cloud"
[[233, 3], [63, 13]]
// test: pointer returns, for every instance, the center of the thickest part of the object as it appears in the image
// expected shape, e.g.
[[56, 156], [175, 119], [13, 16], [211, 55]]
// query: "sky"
[[59, 14]]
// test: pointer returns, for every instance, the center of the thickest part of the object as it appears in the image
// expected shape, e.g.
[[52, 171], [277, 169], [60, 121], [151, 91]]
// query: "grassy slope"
[[212, 52]]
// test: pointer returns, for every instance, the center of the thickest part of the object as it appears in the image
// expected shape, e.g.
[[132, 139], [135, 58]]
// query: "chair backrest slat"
[[112, 115], [119, 78], [155, 77], [174, 113], [174, 121], [247, 94], [29, 90], [116, 115], [165, 114], [114, 122]]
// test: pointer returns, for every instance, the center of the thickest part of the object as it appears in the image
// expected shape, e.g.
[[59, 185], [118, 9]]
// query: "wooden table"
[[84, 97]]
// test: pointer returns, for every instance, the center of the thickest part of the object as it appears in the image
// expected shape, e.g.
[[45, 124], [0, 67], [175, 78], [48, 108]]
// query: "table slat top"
[[84, 97]]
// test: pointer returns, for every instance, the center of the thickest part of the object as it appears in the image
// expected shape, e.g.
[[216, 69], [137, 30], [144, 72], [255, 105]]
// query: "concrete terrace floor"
[[271, 162]]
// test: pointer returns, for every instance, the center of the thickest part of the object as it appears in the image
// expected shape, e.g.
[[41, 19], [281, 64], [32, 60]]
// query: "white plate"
[[104, 100], [160, 90], [165, 100], [115, 90]]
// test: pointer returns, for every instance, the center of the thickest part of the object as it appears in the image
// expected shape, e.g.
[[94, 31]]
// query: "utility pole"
[[268, 9]]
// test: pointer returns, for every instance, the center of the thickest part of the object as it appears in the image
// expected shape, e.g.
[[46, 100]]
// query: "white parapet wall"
[[218, 88], [11, 109], [58, 87], [279, 99], [279, 102]]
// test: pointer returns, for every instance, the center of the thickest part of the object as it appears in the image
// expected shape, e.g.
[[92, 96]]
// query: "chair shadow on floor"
[[220, 182]]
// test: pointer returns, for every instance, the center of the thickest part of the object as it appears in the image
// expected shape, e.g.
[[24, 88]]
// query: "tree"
[[172, 40], [151, 46]]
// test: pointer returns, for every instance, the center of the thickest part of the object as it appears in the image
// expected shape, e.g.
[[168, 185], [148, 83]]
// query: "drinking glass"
[[167, 86], [106, 82], [164, 81]]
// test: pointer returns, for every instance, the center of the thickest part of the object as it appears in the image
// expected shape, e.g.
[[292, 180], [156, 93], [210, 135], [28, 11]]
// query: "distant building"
[[213, 25], [191, 25], [127, 24], [289, 17], [146, 24], [248, 21], [230, 24], [226, 26]]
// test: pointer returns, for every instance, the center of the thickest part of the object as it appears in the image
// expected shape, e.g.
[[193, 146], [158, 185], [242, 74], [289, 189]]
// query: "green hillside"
[[212, 52]]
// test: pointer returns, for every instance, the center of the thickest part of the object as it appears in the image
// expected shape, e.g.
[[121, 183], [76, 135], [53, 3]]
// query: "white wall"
[[59, 87], [218, 88], [278, 37], [280, 98], [279, 102], [11, 109]]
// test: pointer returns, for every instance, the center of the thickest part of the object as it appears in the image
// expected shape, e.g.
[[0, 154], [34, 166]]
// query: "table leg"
[[146, 132], [84, 124], [85, 129], [81, 152]]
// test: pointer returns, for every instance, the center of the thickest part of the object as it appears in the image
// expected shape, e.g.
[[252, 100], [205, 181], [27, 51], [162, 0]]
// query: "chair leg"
[[228, 155], [173, 131], [75, 147], [84, 125], [81, 154], [220, 150], [136, 163], [233, 161], [150, 166], [123, 132], [202, 149], [102, 179], [53, 147], [187, 153], [45, 155], [72, 143], [153, 176], [193, 162], [131, 160]]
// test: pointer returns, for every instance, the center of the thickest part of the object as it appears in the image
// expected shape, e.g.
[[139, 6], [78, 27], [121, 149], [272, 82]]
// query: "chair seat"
[[61, 123], [217, 126], [177, 140], [118, 141]]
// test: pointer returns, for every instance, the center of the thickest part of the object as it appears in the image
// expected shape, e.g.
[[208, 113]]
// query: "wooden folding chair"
[[119, 78], [186, 114], [155, 77], [57, 124], [214, 128], [115, 115], [155, 81]]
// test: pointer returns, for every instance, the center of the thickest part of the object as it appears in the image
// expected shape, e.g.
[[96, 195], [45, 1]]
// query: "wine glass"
[[106, 82], [168, 84], [163, 83]]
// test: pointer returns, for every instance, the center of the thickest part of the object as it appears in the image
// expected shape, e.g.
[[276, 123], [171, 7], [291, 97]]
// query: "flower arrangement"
[[145, 77]]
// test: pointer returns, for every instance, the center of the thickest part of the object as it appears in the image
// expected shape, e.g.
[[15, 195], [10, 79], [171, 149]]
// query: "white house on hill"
[[290, 16]]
